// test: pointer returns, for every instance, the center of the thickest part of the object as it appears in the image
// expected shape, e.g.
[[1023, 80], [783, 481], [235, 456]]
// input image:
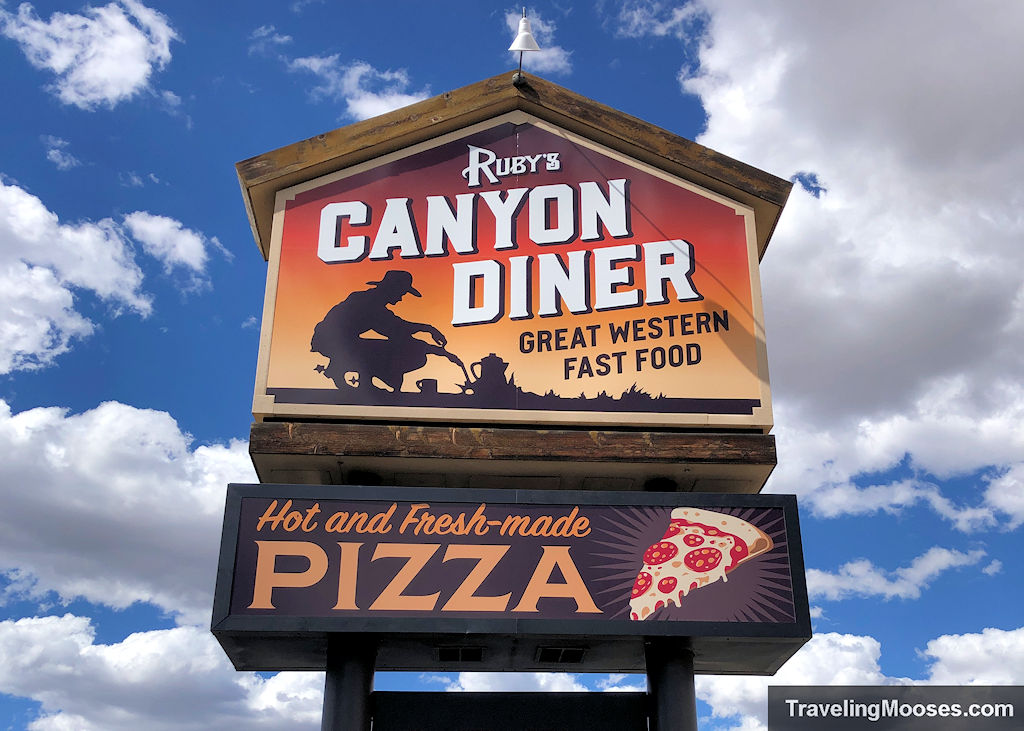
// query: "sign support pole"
[[670, 684], [348, 684]]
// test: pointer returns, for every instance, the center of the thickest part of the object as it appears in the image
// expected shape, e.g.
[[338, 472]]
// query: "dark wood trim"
[[495, 443], [262, 176]]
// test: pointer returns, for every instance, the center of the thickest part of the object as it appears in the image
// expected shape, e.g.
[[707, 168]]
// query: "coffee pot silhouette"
[[489, 378]]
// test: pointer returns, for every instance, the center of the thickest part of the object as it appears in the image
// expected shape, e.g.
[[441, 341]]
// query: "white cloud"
[[57, 153], [517, 682], [265, 38], [903, 272], [864, 579], [947, 433], [38, 320], [298, 6], [168, 241], [89, 255], [993, 568], [132, 179], [651, 18], [551, 58], [365, 91], [176, 679], [103, 57], [621, 683], [140, 681], [992, 657], [45, 264], [121, 509], [894, 304], [827, 659], [172, 104], [1006, 494]]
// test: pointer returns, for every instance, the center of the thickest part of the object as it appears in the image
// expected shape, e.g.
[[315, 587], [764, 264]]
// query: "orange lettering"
[[464, 599], [267, 578], [540, 585], [347, 580], [392, 597]]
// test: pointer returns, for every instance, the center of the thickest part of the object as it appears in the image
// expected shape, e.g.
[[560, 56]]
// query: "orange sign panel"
[[513, 272]]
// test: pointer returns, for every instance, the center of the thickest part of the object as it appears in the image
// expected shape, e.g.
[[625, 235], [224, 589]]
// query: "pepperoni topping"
[[667, 584], [674, 527], [738, 552], [659, 605], [703, 559], [660, 552], [642, 584]]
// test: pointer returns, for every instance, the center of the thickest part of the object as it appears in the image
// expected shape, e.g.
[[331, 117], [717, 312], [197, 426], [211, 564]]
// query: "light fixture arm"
[[524, 41]]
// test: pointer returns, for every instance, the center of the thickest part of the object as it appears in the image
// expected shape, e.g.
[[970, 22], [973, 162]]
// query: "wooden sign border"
[[265, 405]]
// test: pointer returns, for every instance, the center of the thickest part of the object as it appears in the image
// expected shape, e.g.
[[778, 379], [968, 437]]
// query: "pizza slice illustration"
[[698, 548]]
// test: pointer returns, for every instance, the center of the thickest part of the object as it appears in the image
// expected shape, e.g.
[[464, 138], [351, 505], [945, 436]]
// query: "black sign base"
[[509, 711], [350, 703]]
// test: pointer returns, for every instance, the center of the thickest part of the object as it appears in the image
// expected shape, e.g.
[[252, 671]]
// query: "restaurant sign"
[[516, 272], [399, 561]]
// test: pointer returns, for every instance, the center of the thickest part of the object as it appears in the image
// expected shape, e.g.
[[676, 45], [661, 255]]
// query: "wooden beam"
[[262, 176], [495, 443], [498, 457]]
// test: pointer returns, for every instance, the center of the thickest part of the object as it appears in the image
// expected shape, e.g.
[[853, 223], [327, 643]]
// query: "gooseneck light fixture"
[[524, 41]]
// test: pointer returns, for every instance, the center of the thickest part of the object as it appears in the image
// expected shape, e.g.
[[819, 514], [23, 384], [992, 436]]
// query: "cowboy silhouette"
[[356, 356]]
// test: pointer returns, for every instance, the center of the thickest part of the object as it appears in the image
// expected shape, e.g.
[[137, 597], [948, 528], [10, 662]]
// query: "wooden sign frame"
[[279, 176]]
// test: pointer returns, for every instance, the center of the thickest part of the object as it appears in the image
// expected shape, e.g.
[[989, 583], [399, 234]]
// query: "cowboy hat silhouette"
[[397, 280]]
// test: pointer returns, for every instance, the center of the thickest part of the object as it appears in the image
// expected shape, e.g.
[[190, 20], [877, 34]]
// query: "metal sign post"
[[673, 698], [348, 683]]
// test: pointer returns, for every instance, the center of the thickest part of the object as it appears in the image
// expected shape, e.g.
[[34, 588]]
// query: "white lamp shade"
[[524, 39]]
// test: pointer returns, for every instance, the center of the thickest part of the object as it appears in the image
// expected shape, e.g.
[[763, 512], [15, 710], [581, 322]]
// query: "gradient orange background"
[[307, 287]]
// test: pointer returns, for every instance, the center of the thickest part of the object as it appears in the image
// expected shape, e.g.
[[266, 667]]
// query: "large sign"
[[513, 271], [402, 561]]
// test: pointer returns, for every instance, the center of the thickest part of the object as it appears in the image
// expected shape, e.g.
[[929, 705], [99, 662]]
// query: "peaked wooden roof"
[[262, 176]]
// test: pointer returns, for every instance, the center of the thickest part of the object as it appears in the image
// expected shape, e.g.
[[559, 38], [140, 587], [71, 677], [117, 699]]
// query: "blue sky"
[[131, 289]]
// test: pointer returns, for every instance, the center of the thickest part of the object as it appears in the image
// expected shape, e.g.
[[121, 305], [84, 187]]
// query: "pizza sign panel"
[[618, 567], [514, 272]]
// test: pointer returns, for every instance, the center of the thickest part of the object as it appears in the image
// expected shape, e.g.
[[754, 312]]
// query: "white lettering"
[[669, 261], [457, 227], [486, 162], [473, 277], [396, 232], [608, 279], [563, 228], [329, 247], [557, 283], [480, 160], [519, 287], [505, 212], [612, 211]]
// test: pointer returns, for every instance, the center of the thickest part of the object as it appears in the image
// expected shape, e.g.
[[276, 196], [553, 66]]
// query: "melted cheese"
[[694, 560]]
